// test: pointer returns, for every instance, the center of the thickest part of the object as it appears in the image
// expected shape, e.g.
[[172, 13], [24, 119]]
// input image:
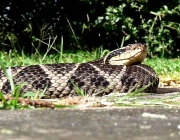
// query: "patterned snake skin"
[[119, 71]]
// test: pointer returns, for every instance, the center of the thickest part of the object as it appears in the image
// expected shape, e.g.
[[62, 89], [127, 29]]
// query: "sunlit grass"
[[14, 58], [167, 69], [164, 66]]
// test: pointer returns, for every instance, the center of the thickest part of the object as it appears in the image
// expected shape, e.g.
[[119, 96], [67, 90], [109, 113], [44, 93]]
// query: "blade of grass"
[[61, 49], [8, 75], [74, 35], [77, 89]]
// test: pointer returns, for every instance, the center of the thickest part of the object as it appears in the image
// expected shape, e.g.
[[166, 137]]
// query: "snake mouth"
[[131, 54]]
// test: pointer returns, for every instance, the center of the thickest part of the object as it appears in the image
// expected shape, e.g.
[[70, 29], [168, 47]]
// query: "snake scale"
[[119, 71]]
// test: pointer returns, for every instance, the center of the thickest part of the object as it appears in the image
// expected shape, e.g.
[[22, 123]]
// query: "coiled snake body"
[[118, 71]]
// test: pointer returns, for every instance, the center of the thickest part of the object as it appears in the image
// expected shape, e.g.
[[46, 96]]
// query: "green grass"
[[166, 68], [17, 59], [163, 67]]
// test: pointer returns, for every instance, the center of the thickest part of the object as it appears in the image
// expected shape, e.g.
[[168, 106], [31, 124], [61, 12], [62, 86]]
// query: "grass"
[[13, 58], [164, 68]]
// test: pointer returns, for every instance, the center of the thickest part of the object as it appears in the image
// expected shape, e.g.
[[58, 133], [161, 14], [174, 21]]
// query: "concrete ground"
[[149, 123]]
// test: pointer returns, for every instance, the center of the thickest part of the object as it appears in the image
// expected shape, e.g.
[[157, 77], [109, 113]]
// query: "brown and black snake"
[[119, 71]]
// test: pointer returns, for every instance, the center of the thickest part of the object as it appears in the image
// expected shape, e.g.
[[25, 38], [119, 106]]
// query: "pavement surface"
[[149, 123]]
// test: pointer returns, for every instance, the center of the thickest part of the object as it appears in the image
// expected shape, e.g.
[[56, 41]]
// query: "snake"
[[121, 70]]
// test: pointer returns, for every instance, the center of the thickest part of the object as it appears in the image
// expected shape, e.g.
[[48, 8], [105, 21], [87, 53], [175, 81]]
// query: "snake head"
[[128, 55]]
